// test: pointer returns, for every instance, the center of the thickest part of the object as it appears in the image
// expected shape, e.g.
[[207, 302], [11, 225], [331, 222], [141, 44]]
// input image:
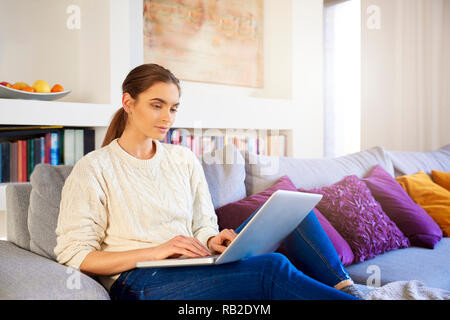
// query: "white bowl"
[[10, 93]]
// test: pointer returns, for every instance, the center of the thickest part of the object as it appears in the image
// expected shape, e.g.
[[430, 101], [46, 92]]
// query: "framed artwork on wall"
[[213, 41]]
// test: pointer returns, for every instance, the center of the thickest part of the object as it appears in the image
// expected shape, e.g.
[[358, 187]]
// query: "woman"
[[138, 199]]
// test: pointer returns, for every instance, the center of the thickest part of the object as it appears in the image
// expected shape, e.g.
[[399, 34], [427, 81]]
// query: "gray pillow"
[[47, 182], [225, 173], [411, 162], [263, 171]]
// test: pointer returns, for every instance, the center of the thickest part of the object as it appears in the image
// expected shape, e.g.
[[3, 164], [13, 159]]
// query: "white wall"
[[307, 77], [36, 44], [94, 60]]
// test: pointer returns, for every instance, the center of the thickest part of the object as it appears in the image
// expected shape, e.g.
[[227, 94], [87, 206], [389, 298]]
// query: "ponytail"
[[116, 127]]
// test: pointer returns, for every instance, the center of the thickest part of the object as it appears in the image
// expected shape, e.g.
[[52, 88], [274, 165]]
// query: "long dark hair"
[[138, 80]]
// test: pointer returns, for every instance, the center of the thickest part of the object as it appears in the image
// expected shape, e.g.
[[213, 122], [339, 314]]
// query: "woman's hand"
[[178, 246], [221, 241], [109, 263]]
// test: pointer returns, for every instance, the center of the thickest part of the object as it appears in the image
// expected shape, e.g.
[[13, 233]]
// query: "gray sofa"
[[29, 269]]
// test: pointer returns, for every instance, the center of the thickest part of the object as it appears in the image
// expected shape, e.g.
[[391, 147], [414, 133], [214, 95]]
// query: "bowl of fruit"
[[40, 90]]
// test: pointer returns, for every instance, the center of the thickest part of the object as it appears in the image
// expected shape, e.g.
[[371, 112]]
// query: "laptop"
[[273, 222]]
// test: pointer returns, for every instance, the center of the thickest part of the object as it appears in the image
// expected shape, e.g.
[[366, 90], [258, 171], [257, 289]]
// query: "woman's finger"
[[218, 248], [200, 246], [190, 244], [186, 252], [233, 234], [228, 236]]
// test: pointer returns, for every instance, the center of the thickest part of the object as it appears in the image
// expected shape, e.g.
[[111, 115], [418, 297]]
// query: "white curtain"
[[405, 72]]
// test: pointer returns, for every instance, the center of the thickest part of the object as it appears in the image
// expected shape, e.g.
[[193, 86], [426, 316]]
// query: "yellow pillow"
[[441, 178], [432, 197]]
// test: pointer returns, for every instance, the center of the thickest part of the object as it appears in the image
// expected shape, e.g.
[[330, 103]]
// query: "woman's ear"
[[127, 102]]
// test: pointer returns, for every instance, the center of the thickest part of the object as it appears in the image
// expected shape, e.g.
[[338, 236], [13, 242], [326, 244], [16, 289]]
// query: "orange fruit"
[[29, 89], [20, 85], [57, 88]]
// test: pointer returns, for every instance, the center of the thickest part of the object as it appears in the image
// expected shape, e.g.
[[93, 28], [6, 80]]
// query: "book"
[[37, 151], [19, 161], [42, 149], [168, 138], [282, 145], [175, 137], [54, 149], [48, 142], [30, 158], [13, 162], [79, 144], [24, 160], [270, 146], [61, 147], [89, 141], [1, 163], [69, 146], [262, 145]]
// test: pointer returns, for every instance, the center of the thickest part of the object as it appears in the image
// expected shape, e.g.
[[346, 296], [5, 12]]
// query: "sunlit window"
[[342, 54]]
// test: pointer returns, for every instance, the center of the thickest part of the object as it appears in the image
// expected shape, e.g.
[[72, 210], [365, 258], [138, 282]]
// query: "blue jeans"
[[269, 276], [311, 251]]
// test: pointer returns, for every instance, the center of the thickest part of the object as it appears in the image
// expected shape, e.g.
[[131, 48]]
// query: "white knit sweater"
[[112, 201]]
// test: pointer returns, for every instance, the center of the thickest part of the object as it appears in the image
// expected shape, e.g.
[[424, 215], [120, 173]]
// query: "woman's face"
[[154, 111]]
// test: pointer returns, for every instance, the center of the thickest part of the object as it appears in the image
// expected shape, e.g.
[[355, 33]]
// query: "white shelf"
[[35, 112]]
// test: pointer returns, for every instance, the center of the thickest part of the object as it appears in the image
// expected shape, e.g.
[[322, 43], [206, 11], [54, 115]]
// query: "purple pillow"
[[410, 218], [352, 210], [343, 249], [232, 215]]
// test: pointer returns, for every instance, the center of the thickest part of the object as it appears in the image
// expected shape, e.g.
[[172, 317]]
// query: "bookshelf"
[[271, 142]]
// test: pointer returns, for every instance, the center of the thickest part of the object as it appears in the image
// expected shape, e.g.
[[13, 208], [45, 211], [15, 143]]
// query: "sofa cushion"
[[225, 173], [441, 178], [263, 171], [430, 196], [409, 217], [47, 182], [413, 263], [25, 275], [411, 162], [359, 218]]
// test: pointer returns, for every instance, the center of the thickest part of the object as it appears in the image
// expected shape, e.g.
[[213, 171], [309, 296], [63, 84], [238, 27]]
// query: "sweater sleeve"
[[82, 218], [204, 224]]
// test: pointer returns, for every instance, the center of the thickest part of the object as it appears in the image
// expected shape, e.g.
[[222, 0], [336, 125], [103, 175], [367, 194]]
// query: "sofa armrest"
[[17, 202], [26, 275]]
